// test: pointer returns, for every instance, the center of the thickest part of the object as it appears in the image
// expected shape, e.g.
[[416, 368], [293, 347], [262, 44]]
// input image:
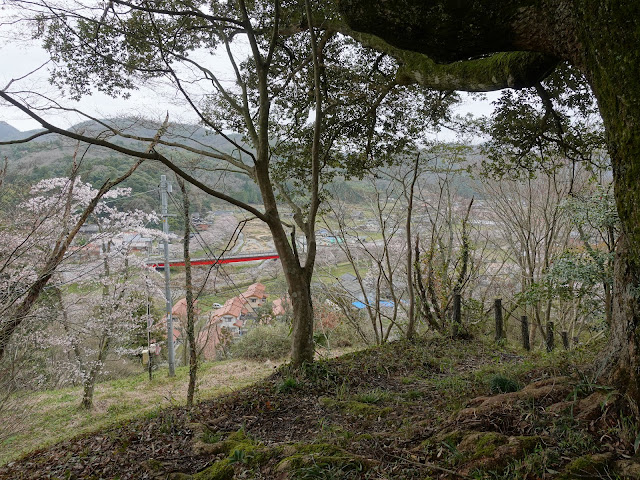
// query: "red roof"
[[208, 339], [280, 306], [180, 308], [233, 307], [255, 290]]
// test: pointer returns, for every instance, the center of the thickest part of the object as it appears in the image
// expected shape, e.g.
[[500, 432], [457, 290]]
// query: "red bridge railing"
[[215, 261]]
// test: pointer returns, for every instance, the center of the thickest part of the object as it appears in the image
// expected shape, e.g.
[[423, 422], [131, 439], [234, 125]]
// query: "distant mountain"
[[190, 135], [8, 132], [51, 156]]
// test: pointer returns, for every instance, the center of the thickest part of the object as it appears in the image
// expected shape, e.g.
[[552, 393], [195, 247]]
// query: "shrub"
[[263, 342], [344, 335], [287, 385], [500, 384]]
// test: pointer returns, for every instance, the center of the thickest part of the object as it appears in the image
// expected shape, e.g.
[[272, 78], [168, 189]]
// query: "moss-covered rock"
[[321, 456], [491, 451], [481, 444], [221, 470], [588, 466]]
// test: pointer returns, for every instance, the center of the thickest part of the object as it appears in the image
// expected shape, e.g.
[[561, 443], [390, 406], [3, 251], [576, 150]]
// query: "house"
[[87, 251], [89, 229], [231, 315], [179, 315], [281, 306], [255, 295], [209, 338], [134, 242], [180, 309]]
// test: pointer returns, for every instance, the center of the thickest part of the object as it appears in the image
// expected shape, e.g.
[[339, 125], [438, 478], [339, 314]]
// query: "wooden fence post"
[[525, 333], [497, 310], [457, 312], [565, 340], [550, 342]]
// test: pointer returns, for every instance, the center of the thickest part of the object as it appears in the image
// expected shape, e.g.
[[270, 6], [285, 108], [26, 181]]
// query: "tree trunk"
[[190, 344], [411, 327], [611, 61], [622, 361], [302, 334], [90, 382]]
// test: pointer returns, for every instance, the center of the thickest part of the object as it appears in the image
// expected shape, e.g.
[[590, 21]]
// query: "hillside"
[[51, 156], [8, 132], [435, 408]]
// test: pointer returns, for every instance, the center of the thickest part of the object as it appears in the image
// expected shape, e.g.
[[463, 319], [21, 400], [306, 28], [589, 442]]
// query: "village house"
[[179, 315], [209, 338], [231, 315], [280, 306], [134, 242], [255, 295]]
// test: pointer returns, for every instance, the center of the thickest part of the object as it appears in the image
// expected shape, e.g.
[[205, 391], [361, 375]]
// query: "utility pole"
[[165, 189]]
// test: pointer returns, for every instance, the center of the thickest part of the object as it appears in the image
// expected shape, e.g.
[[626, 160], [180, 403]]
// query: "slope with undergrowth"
[[432, 408]]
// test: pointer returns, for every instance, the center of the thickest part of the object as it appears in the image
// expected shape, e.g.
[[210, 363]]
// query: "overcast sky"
[[18, 59]]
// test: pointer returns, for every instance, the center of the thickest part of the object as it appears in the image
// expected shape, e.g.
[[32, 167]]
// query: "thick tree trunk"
[[622, 362], [611, 61], [300, 294], [299, 283]]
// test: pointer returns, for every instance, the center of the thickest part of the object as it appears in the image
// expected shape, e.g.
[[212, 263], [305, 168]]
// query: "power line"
[[208, 249]]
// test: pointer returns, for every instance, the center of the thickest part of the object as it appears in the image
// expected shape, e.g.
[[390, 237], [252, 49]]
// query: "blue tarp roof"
[[383, 303]]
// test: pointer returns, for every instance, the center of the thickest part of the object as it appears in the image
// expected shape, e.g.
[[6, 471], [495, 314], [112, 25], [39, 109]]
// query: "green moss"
[[587, 465], [221, 470], [354, 407], [320, 456], [487, 444], [453, 438], [481, 445], [210, 436], [243, 449]]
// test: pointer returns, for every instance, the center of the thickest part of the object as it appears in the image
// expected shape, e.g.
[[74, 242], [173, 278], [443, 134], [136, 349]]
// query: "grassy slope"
[[394, 412], [51, 416]]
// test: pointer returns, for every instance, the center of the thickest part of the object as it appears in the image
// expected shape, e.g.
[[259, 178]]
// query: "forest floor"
[[37, 419], [428, 409]]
